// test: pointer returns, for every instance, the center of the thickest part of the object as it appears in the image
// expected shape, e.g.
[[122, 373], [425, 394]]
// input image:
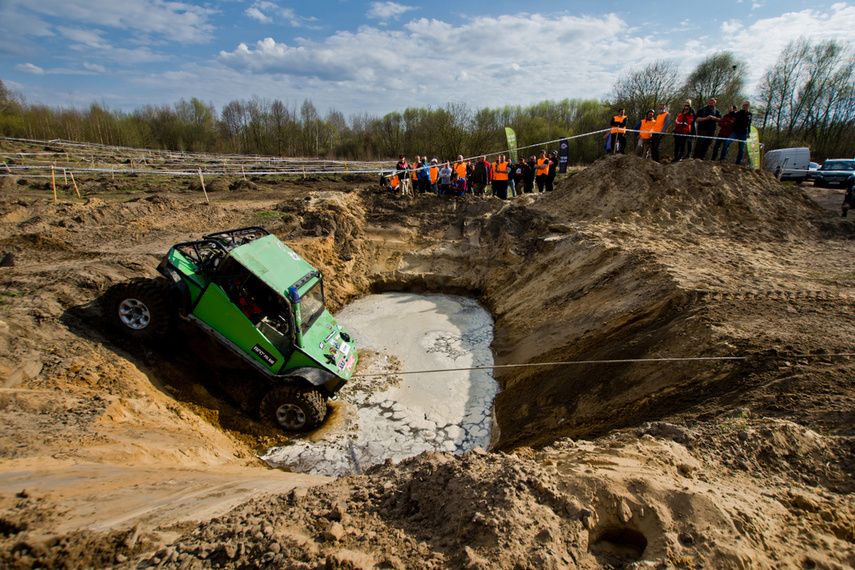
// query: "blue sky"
[[377, 57]]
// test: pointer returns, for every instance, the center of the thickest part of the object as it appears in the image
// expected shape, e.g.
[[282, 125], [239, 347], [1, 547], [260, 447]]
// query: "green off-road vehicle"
[[263, 302]]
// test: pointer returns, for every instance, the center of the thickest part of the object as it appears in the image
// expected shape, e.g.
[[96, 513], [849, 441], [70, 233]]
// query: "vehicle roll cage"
[[207, 252]]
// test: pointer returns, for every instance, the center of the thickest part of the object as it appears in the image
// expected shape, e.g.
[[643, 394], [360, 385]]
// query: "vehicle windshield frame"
[[311, 305]]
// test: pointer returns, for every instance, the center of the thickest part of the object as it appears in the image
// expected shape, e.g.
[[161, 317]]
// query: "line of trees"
[[806, 99]]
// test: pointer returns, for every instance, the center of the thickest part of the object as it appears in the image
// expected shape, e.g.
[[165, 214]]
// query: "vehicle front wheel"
[[140, 309], [294, 408]]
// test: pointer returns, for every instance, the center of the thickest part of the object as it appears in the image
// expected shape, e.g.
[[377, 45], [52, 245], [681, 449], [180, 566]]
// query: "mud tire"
[[294, 408], [140, 309]]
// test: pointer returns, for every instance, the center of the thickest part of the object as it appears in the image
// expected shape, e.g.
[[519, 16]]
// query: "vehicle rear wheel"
[[140, 309], [294, 408]]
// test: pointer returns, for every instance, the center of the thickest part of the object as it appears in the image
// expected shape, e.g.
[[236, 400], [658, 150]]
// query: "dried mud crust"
[[625, 260]]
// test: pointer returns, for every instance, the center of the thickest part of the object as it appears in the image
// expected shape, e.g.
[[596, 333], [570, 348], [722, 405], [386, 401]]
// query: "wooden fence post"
[[202, 180]]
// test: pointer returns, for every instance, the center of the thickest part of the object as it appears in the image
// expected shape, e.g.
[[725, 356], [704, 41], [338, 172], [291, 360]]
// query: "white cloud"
[[94, 68], [30, 68], [258, 15], [731, 27], [387, 10], [177, 21], [538, 56], [89, 38], [761, 42]]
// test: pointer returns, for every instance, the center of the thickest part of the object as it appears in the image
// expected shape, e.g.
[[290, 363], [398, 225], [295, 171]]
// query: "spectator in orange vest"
[[618, 132], [541, 171], [501, 172], [663, 121], [394, 183], [460, 167], [434, 176], [645, 129]]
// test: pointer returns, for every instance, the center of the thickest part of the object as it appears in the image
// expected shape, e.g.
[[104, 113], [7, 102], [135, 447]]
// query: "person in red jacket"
[[725, 127], [682, 131]]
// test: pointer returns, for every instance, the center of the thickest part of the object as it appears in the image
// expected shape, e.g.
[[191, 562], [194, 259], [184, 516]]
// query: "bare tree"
[[809, 98], [644, 89]]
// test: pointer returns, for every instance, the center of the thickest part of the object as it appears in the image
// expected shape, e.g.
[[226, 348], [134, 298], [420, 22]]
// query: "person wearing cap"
[[706, 121], [645, 128], [663, 121]]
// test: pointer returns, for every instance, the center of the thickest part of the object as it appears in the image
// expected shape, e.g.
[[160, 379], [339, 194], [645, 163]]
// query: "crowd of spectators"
[[693, 131], [501, 178]]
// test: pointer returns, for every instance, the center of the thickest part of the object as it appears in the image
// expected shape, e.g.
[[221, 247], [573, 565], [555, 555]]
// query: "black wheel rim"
[[290, 416], [134, 314]]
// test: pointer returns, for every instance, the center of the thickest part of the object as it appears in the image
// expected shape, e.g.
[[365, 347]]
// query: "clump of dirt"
[[687, 400]]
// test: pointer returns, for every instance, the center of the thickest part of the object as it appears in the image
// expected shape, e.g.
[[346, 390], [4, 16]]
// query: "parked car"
[[836, 173], [788, 163], [812, 168]]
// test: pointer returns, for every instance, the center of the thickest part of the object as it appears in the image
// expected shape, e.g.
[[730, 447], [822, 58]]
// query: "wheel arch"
[[180, 290], [324, 380]]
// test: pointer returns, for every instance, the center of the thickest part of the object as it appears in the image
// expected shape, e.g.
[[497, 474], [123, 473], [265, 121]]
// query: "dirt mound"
[[629, 500], [702, 197]]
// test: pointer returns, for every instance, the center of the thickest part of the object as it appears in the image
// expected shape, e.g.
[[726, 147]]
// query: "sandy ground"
[[718, 434]]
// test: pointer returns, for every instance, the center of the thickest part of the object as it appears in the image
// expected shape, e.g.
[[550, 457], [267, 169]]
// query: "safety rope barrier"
[[613, 361], [234, 165]]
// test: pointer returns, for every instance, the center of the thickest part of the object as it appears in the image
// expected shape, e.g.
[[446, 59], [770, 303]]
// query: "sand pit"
[[395, 417], [640, 462]]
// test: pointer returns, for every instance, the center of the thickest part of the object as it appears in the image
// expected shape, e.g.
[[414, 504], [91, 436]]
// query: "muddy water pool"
[[383, 414]]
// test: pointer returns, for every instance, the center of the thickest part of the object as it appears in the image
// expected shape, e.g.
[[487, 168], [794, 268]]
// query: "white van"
[[788, 163]]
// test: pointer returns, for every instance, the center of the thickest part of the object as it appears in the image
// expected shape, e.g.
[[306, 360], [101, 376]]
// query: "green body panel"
[[215, 309], [325, 336], [194, 280]]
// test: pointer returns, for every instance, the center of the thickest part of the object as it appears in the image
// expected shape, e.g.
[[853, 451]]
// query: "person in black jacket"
[[553, 168], [741, 130], [528, 179]]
